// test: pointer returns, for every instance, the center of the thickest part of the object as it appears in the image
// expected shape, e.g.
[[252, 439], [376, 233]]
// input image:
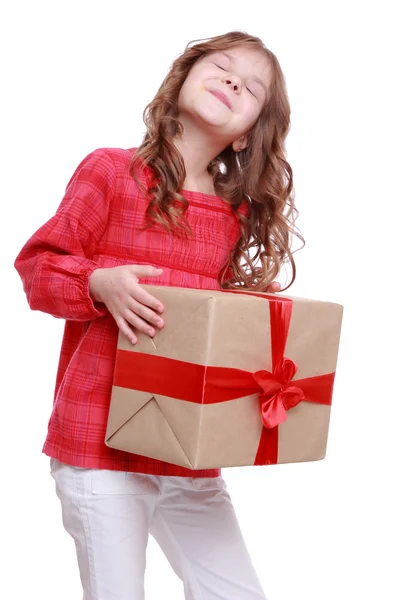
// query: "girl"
[[208, 198]]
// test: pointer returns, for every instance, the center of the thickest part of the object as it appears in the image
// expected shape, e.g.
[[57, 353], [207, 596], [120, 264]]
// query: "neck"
[[198, 149]]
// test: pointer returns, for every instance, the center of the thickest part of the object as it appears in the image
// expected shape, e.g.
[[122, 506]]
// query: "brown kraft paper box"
[[218, 385]]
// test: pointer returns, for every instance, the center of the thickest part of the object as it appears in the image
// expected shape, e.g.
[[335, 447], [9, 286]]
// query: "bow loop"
[[276, 396], [286, 370]]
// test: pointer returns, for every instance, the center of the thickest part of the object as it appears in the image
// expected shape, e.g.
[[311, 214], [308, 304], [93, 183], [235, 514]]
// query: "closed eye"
[[219, 66], [251, 92]]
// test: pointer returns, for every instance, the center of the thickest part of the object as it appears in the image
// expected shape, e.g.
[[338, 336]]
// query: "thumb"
[[274, 287], [145, 271]]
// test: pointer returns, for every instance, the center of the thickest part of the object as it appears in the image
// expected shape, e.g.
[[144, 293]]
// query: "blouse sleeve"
[[55, 263]]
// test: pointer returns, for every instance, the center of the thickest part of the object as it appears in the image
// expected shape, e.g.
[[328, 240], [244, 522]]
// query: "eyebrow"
[[255, 77]]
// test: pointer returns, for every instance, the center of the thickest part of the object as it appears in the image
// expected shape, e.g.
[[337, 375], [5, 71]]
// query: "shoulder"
[[112, 156], [107, 163]]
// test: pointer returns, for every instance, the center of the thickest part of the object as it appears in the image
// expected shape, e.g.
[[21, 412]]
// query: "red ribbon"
[[208, 385]]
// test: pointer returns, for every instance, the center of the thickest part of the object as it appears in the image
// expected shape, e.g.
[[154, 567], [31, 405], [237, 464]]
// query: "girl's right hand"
[[118, 288]]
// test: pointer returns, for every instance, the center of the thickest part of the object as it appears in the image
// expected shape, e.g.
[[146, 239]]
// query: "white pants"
[[110, 514]]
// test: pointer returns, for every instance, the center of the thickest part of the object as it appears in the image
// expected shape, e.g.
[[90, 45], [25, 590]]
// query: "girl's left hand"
[[273, 287]]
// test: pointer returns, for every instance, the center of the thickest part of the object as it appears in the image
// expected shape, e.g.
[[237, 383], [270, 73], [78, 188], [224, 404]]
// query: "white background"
[[78, 75]]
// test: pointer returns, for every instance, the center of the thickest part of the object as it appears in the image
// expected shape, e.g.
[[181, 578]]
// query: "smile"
[[221, 97]]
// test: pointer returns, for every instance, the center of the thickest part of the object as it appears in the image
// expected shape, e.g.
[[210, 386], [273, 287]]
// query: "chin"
[[203, 112], [211, 115]]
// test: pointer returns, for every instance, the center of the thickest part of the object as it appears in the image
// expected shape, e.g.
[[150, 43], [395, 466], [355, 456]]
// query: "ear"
[[240, 144]]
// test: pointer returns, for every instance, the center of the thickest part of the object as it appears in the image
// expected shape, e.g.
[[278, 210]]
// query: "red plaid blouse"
[[98, 224]]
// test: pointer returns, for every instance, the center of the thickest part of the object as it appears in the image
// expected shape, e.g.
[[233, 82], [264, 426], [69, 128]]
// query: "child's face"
[[225, 93]]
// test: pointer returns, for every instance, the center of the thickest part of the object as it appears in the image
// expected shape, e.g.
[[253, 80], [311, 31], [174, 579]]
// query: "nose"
[[234, 82]]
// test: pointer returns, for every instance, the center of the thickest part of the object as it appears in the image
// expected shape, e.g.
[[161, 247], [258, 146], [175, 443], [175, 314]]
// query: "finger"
[[274, 287], [139, 324], [145, 313], [126, 330], [143, 297], [146, 271]]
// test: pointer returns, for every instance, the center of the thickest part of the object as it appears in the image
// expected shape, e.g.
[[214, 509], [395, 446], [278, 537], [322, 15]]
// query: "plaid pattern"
[[98, 224]]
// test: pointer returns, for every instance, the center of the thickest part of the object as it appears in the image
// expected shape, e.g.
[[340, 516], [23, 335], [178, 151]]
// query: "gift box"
[[234, 378]]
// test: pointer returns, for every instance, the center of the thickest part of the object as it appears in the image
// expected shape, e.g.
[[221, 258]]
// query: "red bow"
[[277, 396]]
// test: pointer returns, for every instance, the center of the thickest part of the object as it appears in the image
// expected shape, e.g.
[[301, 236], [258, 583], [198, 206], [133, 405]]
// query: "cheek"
[[187, 89], [184, 97], [192, 91], [251, 112]]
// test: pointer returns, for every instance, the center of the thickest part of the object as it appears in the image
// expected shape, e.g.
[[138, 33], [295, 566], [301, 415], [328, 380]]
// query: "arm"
[[54, 264]]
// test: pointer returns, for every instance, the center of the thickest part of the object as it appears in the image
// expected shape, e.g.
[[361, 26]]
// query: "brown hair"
[[259, 173]]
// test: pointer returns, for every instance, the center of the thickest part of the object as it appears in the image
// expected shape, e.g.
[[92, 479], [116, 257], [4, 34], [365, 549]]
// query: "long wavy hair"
[[258, 175]]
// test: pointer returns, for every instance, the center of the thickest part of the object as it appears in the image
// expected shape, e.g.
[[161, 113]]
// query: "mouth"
[[221, 97]]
